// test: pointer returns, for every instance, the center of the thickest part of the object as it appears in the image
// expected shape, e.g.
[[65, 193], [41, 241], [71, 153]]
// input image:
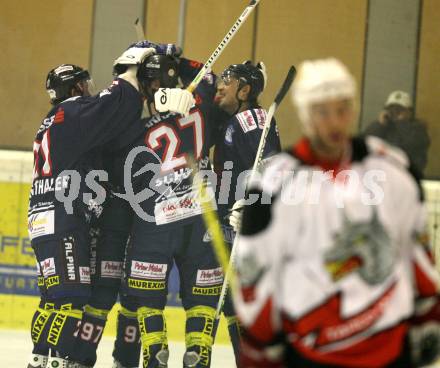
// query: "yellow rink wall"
[[17, 264]]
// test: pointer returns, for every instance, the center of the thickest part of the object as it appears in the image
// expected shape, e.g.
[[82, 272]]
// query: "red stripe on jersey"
[[59, 116], [375, 351], [262, 329], [329, 326], [425, 286]]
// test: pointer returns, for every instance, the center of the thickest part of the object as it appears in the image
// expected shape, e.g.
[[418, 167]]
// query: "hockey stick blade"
[[286, 85], [139, 30], [219, 49], [278, 99]]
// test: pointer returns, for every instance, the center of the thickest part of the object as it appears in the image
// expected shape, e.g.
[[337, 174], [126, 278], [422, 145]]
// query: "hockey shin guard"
[[39, 323], [235, 336], [153, 332], [127, 347], [199, 336], [89, 335], [64, 328]]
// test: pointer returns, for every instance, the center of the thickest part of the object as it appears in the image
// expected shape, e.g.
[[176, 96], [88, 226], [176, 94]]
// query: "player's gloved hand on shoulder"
[[173, 99], [161, 48], [236, 215], [126, 65]]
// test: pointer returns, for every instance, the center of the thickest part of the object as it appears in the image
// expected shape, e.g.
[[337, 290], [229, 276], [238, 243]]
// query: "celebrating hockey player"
[[236, 147], [333, 271], [67, 148], [168, 226]]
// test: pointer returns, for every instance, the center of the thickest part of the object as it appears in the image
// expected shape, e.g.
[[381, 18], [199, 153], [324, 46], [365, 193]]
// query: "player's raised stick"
[[218, 51], [139, 30], [278, 98]]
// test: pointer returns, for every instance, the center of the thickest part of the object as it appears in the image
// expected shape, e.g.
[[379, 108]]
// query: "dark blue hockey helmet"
[[247, 74], [61, 80], [161, 67]]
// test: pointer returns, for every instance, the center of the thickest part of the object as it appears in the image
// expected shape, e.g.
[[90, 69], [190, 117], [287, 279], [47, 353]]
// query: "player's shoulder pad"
[[251, 119], [396, 157], [377, 146], [275, 171]]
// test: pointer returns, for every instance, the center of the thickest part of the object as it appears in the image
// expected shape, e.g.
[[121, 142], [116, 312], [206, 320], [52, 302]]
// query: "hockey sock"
[[89, 335], [154, 340], [127, 344], [199, 336], [235, 336]]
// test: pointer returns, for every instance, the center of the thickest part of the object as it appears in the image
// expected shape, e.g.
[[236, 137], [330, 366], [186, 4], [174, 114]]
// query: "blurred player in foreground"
[[335, 271]]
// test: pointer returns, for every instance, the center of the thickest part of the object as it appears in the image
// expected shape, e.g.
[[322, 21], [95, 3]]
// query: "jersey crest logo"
[[362, 247]]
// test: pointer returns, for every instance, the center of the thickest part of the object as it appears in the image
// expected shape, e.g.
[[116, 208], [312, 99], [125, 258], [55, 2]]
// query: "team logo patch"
[[209, 277], [215, 290], [41, 223], [52, 281], [84, 275], [48, 267], [111, 269], [68, 250], [147, 270], [146, 285]]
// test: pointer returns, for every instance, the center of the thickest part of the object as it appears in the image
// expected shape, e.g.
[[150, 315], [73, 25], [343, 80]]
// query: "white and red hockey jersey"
[[336, 258]]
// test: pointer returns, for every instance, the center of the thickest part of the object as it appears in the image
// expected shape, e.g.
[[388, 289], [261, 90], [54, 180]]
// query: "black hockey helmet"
[[161, 67], [248, 74], [62, 79]]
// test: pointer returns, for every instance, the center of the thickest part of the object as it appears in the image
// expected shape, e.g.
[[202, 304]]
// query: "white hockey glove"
[[131, 58], [236, 215], [173, 99]]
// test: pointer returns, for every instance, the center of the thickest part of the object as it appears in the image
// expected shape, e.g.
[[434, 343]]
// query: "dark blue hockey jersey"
[[237, 143], [71, 137], [162, 158]]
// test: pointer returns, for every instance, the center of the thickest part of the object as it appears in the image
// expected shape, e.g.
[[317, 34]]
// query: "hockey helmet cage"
[[247, 73], [62, 79], [161, 67]]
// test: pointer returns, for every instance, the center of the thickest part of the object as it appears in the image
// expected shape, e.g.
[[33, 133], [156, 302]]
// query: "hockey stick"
[[218, 51], [139, 30], [258, 157], [211, 220]]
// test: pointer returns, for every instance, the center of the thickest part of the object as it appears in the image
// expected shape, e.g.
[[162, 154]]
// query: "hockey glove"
[[161, 48], [424, 332], [173, 99], [125, 66], [236, 215]]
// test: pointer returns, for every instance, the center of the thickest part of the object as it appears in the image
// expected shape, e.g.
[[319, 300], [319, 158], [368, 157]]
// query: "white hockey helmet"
[[318, 81]]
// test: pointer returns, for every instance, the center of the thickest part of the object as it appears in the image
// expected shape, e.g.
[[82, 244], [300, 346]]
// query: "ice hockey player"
[[70, 138], [168, 226], [236, 147], [334, 270]]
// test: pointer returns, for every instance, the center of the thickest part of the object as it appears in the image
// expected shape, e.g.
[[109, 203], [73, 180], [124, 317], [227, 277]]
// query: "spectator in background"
[[398, 126]]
